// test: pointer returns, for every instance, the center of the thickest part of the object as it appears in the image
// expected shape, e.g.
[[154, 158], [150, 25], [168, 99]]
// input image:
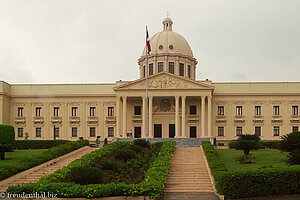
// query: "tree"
[[291, 143], [7, 138], [247, 142]]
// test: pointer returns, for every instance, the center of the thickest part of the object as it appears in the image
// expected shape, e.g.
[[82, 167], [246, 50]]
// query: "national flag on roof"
[[148, 41]]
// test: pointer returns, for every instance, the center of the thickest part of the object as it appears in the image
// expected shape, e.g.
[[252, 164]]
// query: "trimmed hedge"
[[252, 183], [35, 160], [263, 144], [7, 134], [38, 144], [152, 185]]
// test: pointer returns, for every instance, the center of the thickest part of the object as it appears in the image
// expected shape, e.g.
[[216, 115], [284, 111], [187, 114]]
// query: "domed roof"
[[169, 42]]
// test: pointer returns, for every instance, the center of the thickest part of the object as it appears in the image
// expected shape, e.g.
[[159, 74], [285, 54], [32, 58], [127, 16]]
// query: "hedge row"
[[152, 185], [252, 183], [263, 144], [38, 144], [35, 160]]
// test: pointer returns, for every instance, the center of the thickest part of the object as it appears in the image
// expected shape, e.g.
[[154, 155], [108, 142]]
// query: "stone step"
[[191, 183], [188, 191]]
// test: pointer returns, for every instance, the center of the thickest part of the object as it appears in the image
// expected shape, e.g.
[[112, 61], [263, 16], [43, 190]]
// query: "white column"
[[150, 117], [144, 118], [124, 116], [118, 118], [202, 115], [209, 116], [176, 116], [183, 117]]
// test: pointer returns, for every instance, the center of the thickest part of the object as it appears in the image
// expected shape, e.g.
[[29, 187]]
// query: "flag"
[[148, 41]]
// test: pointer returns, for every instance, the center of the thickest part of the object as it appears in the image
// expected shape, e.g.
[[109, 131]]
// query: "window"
[[56, 131], [257, 110], [258, 130], [56, 111], [295, 129], [239, 130], [150, 69], [74, 131], [38, 132], [74, 111], [220, 110], [294, 110], [110, 111], [276, 110], [92, 132], [189, 71], [110, 131], [221, 131], [20, 132], [276, 130], [171, 67], [239, 111], [181, 69], [92, 111], [193, 110], [160, 67], [144, 71], [137, 110], [38, 112], [20, 112]]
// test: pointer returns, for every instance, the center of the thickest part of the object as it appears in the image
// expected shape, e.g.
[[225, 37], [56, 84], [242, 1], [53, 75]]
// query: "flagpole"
[[146, 71]]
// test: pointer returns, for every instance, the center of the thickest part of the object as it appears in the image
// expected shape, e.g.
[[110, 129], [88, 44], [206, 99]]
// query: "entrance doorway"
[[171, 130], [193, 131], [137, 132], [157, 131]]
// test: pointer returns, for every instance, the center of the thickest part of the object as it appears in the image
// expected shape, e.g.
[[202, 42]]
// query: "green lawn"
[[17, 155], [263, 158]]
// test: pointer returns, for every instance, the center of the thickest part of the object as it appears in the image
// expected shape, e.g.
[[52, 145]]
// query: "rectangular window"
[[193, 110], [294, 110], [150, 69], [160, 67], [56, 131], [258, 130], [38, 112], [137, 110], [295, 129], [181, 69], [56, 111], [38, 132], [189, 71], [92, 111], [220, 110], [276, 110], [20, 132], [92, 131], [221, 131], [110, 111], [257, 110], [74, 131], [239, 110], [110, 131], [20, 112], [74, 111], [239, 130], [144, 71], [171, 67], [276, 130]]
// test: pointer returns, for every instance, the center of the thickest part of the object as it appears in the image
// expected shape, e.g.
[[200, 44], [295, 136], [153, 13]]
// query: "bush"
[[294, 157], [270, 144], [123, 154], [7, 137], [141, 142], [38, 144], [245, 159], [109, 164], [231, 144], [86, 175], [291, 143]]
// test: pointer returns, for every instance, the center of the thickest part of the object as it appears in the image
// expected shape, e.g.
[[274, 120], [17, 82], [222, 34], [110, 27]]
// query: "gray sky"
[[95, 41]]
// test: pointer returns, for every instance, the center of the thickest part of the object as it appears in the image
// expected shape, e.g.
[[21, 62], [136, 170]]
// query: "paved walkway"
[[189, 178], [35, 173]]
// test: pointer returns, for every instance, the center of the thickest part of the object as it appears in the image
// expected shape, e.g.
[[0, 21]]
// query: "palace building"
[[179, 105]]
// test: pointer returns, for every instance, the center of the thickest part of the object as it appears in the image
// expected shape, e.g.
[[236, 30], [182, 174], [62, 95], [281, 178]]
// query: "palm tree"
[[247, 142]]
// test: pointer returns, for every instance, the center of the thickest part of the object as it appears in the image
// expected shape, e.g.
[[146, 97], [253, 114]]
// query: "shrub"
[[7, 137], [38, 144], [294, 157], [109, 164], [246, 143], [231, 144], [123, 154], [141, 142], [270, 144], [86, 175], [245, 159], [291, 143]]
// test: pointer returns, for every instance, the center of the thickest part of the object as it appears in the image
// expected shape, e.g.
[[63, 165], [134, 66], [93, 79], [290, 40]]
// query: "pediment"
[[164, 80]]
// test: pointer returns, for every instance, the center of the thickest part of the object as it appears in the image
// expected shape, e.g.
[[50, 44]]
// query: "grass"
[[263, 158], [12, 157]]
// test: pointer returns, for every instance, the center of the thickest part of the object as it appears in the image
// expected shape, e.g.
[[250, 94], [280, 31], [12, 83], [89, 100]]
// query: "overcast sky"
[[95, 41]]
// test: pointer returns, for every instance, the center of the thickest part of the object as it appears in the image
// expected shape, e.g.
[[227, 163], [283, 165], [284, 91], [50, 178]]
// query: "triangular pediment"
[[164, 80]]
